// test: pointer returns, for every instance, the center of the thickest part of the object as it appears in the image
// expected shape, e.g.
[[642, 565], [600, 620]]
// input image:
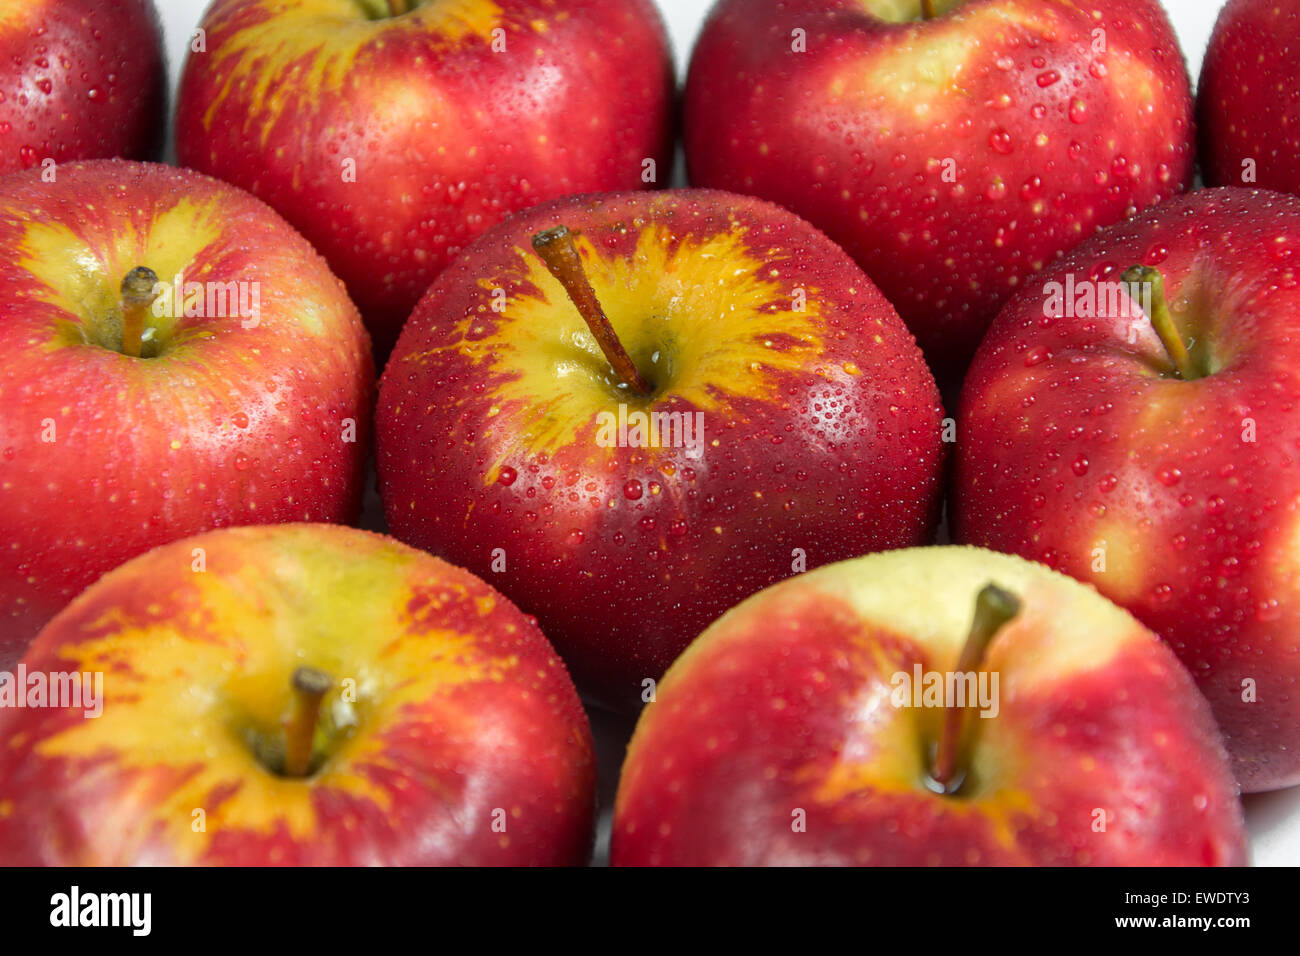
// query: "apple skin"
[[821, 429], [784, 704], [949, 194], [448, 137], [1073, 435], [232, 425], [80, 79], [462, 708], [1247, 104]]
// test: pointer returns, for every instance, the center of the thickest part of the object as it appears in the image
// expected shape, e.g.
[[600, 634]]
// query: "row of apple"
[[951, 156], [1145, 450], [310, 694]]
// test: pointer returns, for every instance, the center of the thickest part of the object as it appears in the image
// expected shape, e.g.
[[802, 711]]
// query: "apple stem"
[[309, 687], [139, 289], [927, 9], [556, 248], [1161, 320], [994, 607], [399, 7]]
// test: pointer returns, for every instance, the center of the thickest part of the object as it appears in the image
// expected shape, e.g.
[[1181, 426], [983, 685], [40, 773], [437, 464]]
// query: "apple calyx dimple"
[[1161, 319], [309, 686], [994, 608], [556, 248], [139, 290]]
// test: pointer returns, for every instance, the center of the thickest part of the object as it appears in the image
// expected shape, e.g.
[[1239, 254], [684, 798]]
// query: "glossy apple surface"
[[819, 426], [1248, 104], [80, 79], [233, 415], [953, 158], [776, 739], [1177, 497], [392, 141], [451, 733]]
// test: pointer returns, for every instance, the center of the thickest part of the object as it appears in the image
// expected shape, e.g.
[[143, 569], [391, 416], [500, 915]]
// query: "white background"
[[1274, 819]]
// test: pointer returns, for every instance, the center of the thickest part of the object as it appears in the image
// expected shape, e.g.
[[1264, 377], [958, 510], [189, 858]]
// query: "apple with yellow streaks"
[[953, 147], [1151, 447], [311, 695], [173, 358], [794, 731], [80, 79], [392, 132], [629, 412]]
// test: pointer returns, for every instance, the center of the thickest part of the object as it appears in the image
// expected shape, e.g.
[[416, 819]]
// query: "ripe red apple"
[[392, 141], [128, 422], [953, 156], [1248, 105], [1153, 448], [795, 422], [789, 733], [312, 695], [80, 79]]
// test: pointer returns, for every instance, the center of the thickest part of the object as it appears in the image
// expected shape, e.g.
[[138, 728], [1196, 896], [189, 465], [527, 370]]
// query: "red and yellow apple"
[[1248, 104], [786, 420], [80, 79], [237, 390], [953, 148], [1149, 443], [393, 132], [310, 695], [789, 732]]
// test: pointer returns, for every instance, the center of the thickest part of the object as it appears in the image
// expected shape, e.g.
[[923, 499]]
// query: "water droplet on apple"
[[1048, 77], [507, 476], [632, 490], [1037, 356], [1155, 255], [1000, 140], [1078, 111]]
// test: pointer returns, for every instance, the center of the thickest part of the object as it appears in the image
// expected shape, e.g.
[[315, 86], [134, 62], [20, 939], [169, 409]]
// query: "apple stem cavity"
[[994, 608], [556, 248], [139, 290], [309, 687], [399, 7], [1161, 320]]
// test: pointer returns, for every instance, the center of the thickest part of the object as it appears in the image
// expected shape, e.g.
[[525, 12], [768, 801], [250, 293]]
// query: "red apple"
[[313, 695], [80, 79], [392, 141], [794, 731], [1152, 448], [795, 421], [131, 422], [953, 156], [1248, 106]]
